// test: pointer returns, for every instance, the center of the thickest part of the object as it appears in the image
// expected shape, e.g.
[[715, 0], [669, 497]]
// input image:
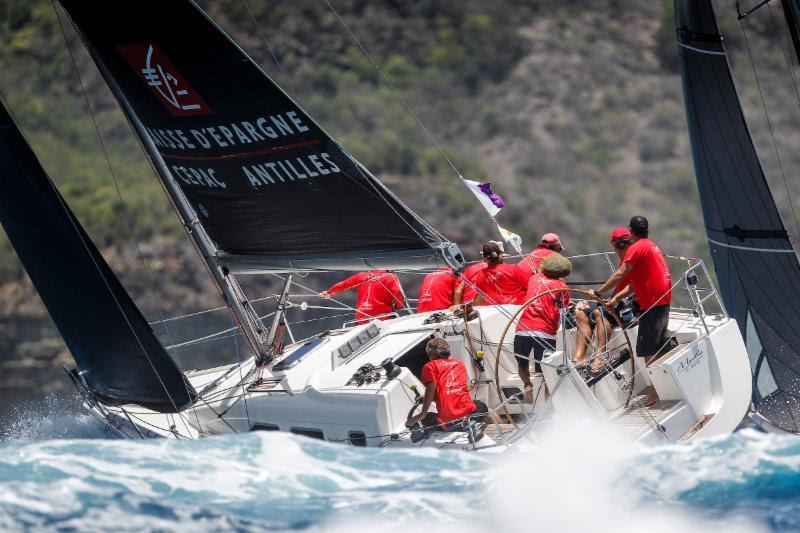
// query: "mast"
[[249, 324]]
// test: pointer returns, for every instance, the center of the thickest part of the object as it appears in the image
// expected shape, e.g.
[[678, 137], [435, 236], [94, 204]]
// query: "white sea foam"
[[578, 480]]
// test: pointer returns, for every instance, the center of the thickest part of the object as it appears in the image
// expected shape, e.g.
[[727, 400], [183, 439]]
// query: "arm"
[[398, 301], [624, 293], [623, 270], [344, 285], [430, 392], [458, 294]]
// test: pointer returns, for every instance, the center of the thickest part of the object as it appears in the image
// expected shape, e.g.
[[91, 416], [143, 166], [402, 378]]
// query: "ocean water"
[[59, 470]]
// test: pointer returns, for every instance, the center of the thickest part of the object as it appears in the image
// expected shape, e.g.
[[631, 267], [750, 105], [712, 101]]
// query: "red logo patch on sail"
[[164, 80]]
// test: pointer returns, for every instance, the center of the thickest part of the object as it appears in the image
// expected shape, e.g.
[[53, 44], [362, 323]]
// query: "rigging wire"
[[769, 125], [263, 35], [393, 88], [126, 211], [785, 55]]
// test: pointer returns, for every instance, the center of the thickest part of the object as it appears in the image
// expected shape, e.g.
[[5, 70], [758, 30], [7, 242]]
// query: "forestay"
[[757, 268], [272, 189], [118, 355]]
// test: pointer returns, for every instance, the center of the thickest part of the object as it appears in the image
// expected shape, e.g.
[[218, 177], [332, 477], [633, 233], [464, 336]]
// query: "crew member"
[[445, 382], [590, 313], [437, 291], [550, 243], [538, 325], [379, 293], [498, 282], [465, 290], [646, 269]]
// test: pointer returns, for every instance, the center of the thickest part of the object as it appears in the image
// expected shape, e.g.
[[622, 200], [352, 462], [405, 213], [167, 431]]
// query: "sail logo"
[[164, 81]]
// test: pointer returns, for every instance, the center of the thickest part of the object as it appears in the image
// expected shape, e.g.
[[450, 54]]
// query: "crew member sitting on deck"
[[550, 243], [590, 313], [498, 283], [647, 271], [465, 290], [437, 290], [445, 382], [379, 294], [538, 325]]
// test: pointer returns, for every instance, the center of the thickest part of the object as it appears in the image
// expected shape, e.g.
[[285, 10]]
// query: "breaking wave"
[[748, 481]]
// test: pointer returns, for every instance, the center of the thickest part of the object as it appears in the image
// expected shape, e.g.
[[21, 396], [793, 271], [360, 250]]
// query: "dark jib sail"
[[791, 12], [118, 355], [757, 269], [272, 189]]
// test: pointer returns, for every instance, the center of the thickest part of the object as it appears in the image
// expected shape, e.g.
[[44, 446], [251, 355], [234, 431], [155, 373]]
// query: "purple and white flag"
[[486, 196]]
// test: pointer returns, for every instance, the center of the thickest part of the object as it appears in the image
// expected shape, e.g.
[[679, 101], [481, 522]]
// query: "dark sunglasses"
[[621, 244]]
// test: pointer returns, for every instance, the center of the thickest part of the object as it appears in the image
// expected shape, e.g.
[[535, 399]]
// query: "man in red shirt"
[[436, 291], [445, 382], [648, 276], [538, 325], [589, 313], [497, 283], [529, 265], [379, 293], [465, 290]]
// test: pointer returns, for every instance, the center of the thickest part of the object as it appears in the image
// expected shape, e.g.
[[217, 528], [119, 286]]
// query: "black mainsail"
[[757, 268], [272, 189], [119, 357]]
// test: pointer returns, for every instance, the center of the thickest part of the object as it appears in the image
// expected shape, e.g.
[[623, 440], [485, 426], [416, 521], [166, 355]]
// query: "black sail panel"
[[116, 351], [268, 184], [757, 268], [791, 11]]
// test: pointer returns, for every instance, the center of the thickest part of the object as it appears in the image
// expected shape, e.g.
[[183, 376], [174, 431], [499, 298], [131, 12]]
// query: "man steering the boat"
[[445, 382], [645, 270]]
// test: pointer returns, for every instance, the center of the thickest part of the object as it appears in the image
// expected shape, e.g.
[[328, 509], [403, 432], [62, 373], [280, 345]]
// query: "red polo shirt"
[[529, 265], [378, 293], [452, 395], [469, 275], [500, 284], [436, 292], [543, 314], [650, 277]]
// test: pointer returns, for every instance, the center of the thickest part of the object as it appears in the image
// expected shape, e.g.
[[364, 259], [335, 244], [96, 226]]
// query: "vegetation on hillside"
[[572, 109]]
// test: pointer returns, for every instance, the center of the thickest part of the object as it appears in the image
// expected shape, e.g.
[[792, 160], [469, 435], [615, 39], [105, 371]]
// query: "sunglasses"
[[621, 244]]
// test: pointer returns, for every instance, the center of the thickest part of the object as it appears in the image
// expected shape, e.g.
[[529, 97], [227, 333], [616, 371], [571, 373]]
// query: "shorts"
[[524, 344], [430, 420], [589, 312], [652, 330]]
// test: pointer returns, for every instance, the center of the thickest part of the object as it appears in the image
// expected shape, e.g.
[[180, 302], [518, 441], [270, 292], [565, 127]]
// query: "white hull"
[[704, 385]]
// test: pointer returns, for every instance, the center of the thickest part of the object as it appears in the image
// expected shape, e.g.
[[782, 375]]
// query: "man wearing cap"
[[645, 269], [535, 335], [550, 243], [592, 314], [497, 283]]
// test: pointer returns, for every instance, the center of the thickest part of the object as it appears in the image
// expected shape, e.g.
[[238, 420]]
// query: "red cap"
[[620, 234], [550, 239]]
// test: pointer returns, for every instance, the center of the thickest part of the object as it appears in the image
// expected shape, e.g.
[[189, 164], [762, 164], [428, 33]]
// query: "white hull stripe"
[[750, 248], [700, 50]]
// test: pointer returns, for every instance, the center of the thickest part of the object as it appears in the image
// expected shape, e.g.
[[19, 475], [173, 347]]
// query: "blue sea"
[[59, 470]]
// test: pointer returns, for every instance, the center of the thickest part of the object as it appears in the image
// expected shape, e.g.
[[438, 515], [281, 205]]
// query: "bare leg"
[[527, 388], [653, 397], [583, 335], [603, 331]]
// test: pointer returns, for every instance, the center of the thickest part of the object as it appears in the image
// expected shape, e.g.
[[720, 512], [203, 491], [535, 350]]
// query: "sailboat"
[[261, 188]]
